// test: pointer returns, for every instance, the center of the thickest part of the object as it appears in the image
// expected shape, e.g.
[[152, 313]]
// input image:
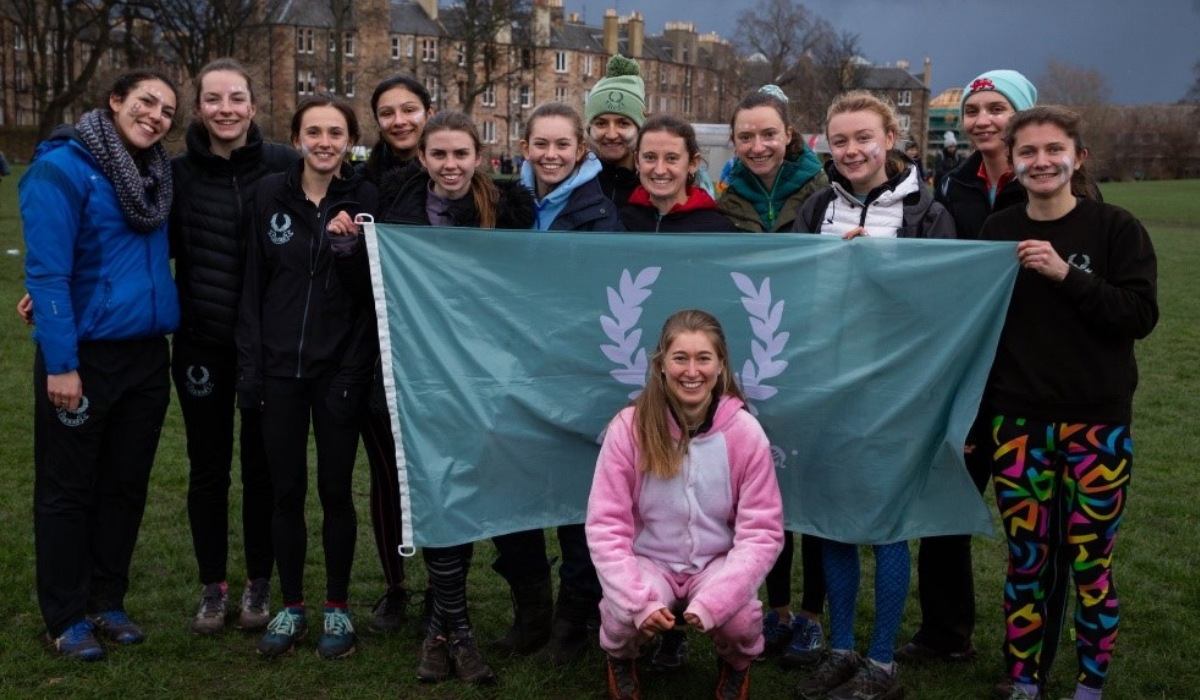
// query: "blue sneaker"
[[288, 627], [115, 626], [78, 642], [776, 635], [806, 645], [338, 641]]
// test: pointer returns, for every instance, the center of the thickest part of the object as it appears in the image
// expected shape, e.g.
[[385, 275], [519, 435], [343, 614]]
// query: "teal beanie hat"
[[1016, 88], [620, 91]]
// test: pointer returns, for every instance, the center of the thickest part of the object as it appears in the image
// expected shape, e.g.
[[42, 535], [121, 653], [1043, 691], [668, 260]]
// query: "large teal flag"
[[510, 351]]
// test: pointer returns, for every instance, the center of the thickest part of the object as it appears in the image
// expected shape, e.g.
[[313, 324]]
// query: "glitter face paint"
[[614, 138], [323, 140], [760, 141], [1044, 160], [859, 142], [401, 116], [226, 108], [144, 115]]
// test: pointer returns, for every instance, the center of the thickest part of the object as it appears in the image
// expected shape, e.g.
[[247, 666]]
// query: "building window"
[[489, 131], [304, 40], [306, 82], [560, 62], [526, 96], [488, 99], [587, 66], [428, 50], [395, 48], [460, 51], [349, 84], [518, 130], [905, 122], [701, 79], [431, 84], [410, 46], [20, 80], [560, 94], [905, 98], [348, 44], [526, 59], [687, 104]]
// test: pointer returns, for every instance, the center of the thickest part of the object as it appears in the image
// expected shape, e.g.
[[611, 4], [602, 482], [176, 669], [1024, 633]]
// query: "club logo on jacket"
[[281, 229], [1080, 261], [76, 418], [198, 385]]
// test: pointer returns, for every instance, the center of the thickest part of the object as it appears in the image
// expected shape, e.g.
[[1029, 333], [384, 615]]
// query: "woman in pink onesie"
[[684, 517]]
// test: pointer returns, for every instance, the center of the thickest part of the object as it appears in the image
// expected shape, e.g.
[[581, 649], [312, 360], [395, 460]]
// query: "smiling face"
[[1045, 158], [553, 150], [760, 139], [324, 139], [859, 145], [144, 116], [692, 367], [400, 115], [226, 108], [451, 158], [985, 114], [664, 168], [614, 138]]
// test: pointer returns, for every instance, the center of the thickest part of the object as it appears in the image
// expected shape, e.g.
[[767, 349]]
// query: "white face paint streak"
[[1066, 170], [874, 152]]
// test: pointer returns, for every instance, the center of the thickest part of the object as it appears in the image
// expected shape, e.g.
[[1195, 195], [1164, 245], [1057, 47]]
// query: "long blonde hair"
[[662, 454]]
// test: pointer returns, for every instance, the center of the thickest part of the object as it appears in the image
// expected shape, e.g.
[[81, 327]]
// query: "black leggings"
[[779, 579], [380, 446], [288, 407]]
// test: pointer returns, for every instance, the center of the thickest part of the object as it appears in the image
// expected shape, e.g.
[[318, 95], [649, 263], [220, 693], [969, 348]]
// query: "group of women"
[[271, 310]]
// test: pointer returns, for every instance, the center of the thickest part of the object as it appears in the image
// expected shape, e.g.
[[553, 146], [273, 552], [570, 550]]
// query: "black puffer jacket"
[[617, 183], [965, 196], [210, 254]]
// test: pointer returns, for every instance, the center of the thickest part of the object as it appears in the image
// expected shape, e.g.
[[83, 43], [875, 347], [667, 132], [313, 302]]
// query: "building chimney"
[[928, 74], [541, 23], [637, 34], [556, 14], [430, 7], [610, 32]]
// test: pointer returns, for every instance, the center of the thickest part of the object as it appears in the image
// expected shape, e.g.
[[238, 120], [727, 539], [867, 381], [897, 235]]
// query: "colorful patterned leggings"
[[1060, 485]]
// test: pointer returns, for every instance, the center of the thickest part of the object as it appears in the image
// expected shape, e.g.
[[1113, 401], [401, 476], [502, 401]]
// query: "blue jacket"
[[91, 276], [577, 204]]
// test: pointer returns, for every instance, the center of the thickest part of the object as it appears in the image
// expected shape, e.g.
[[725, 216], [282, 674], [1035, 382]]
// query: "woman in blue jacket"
[[95, 203]]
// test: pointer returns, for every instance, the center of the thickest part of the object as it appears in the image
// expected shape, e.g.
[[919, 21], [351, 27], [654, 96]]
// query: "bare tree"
[[198, 32], [64, 43], [783, 33], [833, 66], [1086, 91], [493, 41]]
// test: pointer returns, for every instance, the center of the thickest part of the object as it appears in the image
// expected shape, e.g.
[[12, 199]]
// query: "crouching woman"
[[685, 517]]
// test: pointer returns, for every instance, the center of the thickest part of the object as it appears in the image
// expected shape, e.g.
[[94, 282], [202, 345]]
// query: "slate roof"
[[889, 78]]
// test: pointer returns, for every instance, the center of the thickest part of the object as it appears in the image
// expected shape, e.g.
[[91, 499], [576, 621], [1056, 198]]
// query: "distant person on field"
[[948, 158]]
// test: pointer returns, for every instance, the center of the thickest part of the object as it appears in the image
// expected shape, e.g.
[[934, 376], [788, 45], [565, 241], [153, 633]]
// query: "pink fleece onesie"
[[705, 538]]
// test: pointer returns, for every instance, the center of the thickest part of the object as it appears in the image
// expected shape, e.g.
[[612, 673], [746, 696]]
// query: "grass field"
[[1158, 553]]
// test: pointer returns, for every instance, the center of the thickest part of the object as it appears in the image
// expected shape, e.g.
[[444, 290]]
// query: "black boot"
[[575, 617], [533, 607]]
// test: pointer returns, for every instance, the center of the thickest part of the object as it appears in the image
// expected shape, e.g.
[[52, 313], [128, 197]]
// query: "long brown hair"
[[1071, 123], [662, 454], [483, 191]]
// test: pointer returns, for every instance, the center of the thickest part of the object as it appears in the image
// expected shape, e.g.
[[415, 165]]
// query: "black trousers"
[[523, 554], [289, 407], [204, 382], [92, 468], [779, 578], [380, 446]]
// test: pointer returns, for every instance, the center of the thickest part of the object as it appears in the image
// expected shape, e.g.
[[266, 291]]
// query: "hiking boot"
[[776, 635], [214, 604], [391, 610], [115, 626], [871, 682], [672, 651], [571, 630], [533, 613], [806, 645], [623, 683], [78, 642], [288, 627], [256, 606], [468, 660], [426, 618], [434, 666], [916, 653], [833, 671], [338, 640], [732, 684]]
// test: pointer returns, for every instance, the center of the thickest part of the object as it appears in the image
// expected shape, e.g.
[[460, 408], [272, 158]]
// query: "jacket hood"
[[697, 199], [62, 135], [794, 174], [550, 206]]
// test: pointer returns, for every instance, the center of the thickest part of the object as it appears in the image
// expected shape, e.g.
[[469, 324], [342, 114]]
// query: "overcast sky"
[[1146, 49]]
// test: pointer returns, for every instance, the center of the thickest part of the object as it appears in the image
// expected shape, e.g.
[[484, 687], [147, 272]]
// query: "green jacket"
[[751, 208]]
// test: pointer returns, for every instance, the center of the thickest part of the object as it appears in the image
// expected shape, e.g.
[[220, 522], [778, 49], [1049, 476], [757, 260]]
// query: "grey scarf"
[[145, 199]]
